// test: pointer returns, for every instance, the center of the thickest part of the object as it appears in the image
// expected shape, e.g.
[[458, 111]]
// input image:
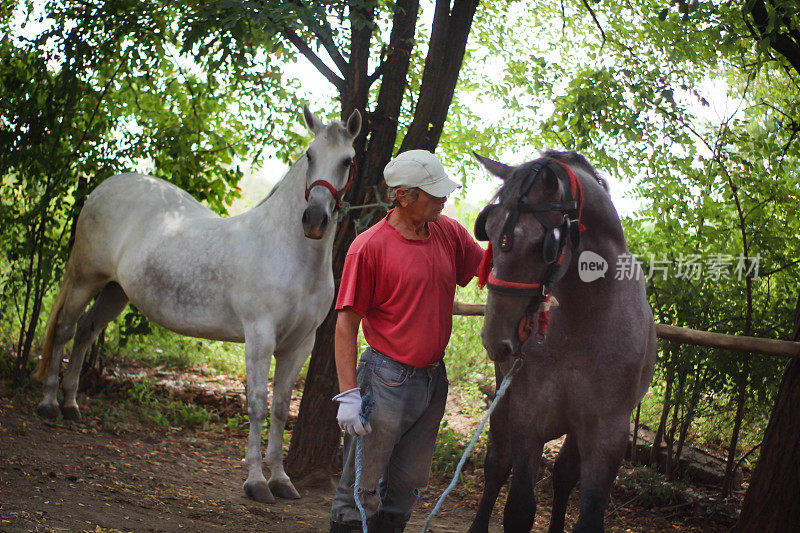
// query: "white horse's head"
[[330, 169]]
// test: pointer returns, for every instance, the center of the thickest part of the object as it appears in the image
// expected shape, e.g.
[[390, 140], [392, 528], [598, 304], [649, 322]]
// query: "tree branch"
[[393, 72], [594, 17], [313, 58], [377, 73], [776, 270], [779, 41], [446, 50], [324, 34]]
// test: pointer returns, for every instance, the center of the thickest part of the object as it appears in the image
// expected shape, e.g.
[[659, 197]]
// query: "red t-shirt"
[[404, 288]]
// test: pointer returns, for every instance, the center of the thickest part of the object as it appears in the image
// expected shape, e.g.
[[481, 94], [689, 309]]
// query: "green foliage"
[[160, 347], [165, 411], [450, 446], [630, 86], [90, 89], [651, 489], [192, 91], [237, 424]]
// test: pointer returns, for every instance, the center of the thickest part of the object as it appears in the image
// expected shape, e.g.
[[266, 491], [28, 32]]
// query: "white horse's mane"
[[280, 181]]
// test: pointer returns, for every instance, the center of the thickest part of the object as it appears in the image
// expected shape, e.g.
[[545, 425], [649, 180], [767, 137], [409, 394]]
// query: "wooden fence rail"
[[738, 343]]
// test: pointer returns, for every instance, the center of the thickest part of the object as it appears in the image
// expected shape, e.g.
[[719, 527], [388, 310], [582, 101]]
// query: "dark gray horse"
[[591, 358]]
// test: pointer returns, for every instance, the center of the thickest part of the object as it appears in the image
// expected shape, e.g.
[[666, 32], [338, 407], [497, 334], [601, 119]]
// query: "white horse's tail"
[[49, 336]]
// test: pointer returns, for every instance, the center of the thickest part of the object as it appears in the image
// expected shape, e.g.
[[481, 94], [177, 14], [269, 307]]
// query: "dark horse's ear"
[[312, 122], [354, 123], [495, 167]]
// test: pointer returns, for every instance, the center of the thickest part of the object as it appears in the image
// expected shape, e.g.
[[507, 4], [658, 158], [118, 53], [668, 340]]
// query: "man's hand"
[[349, 415]]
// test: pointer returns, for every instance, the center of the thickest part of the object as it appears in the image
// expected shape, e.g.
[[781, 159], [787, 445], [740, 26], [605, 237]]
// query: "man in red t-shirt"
[[399, 281]]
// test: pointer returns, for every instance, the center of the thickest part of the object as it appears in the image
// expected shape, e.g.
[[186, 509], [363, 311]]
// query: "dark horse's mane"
[[510, 190]]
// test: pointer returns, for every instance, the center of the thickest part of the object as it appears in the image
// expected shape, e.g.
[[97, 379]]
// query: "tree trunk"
[[35, 280], [662, 422], [316, 434], [741, 396], [20, 363], [635, 434], [316, 437], [772, 502], [744, 378], [442, 65], [670, 438], [691, 408]]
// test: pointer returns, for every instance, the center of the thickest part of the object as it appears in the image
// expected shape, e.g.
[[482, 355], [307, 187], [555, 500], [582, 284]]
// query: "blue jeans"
[[397, 453]]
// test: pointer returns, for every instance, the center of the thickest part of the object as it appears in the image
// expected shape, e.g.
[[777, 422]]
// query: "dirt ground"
[[68, 476]]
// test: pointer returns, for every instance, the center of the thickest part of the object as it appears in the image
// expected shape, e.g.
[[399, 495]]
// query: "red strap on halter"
[[327, 185], [337, 195], [525, 326], [485, 274], [544, 318], [577, 190], [512, 284]]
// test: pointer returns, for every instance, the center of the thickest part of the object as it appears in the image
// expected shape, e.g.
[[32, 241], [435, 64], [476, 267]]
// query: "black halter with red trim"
[[553, 244], [337, 194]]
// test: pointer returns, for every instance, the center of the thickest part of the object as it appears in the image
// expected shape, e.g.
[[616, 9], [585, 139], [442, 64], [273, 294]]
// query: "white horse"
[[262, 278]]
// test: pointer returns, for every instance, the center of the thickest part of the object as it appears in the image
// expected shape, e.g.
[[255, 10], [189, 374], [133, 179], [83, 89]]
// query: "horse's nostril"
[[305, 217], [506, 348], [323, 224]]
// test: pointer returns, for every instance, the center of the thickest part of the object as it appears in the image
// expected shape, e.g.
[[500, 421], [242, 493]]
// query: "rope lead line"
[[367, 403], [498, 396]]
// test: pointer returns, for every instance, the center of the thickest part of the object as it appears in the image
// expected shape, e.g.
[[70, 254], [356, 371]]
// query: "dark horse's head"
[[533, 230], [329, 169]]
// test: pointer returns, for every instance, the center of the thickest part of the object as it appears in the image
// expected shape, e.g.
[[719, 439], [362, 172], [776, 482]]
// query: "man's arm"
[[349, 397], [346, 348]]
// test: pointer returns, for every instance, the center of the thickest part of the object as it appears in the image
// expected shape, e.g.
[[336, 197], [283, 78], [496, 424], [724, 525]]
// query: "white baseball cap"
[[419, 168]]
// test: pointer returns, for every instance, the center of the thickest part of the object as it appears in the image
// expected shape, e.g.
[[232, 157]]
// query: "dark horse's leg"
[[520, 510], [600, 460], [565, 474], [496, 466]]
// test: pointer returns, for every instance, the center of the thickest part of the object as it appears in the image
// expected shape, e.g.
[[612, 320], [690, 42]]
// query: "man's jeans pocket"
[[390, 373]]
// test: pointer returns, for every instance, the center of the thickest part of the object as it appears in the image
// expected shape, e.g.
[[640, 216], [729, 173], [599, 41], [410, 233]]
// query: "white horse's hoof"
[[71, 413], [258, 491], [48, 411], [283, 488]]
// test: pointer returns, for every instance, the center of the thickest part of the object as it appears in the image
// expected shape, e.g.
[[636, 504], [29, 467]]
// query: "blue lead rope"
[[367, 403], [500, 393]]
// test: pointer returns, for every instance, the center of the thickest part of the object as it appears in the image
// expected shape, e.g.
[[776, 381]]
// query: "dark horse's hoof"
[[71, 413], [258, 491], [48, 411], [284, 489]]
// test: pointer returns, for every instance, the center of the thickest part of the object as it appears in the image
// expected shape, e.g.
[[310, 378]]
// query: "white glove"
[[349, 415]]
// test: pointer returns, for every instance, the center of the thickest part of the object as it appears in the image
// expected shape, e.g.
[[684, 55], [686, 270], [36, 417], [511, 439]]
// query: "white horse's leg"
[[107, 306], [48, 407], [258, 348], [78, 296], [287, 367]]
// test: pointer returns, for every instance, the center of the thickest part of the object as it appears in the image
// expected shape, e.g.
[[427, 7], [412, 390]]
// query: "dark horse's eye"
[[347, 162]]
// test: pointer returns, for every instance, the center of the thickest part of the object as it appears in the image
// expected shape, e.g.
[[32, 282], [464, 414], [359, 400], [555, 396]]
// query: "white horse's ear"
[[354, 123], [497, 168], [311, 120]]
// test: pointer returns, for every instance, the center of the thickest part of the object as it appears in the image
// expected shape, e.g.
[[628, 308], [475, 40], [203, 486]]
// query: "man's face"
[[426, 207]]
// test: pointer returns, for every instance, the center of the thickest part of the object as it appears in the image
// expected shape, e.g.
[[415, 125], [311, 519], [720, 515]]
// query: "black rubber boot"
[[350, 527], [382, 523]]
